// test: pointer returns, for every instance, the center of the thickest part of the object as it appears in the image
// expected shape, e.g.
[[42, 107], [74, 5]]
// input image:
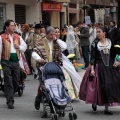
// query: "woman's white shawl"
[[72, 72]]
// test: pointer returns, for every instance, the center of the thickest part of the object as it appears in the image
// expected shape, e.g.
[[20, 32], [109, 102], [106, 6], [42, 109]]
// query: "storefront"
[[51, 13], [54, 13]]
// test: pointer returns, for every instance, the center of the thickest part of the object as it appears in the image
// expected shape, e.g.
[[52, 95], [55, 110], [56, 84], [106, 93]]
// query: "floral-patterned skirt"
[[69, 84]]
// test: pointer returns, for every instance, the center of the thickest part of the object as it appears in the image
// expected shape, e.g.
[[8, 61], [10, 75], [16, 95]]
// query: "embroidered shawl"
[[42, 48]]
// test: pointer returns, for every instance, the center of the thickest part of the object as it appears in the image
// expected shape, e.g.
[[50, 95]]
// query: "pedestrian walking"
[[31, 42], [114, 34], [84, 42], [72, 79], [11, 44], [49, 49], [101, 82]]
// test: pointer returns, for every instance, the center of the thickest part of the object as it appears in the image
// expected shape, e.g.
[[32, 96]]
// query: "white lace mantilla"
[[105, 47]]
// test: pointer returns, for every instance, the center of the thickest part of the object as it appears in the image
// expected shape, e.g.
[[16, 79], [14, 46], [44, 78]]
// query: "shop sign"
[[51, 6]]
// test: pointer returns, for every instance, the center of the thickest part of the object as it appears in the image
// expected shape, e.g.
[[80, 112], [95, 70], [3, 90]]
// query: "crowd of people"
[[28, 45]]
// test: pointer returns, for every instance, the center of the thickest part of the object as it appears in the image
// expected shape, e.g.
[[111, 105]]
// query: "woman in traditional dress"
[[71, 40], [73, 79], [101, 82]]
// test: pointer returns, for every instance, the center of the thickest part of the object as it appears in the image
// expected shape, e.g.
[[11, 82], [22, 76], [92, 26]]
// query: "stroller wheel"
[[55, 117], [60, 114], [63, 114], [70, 116], [51, 116], [2, 87], [37, 103], [46, 114], [20, 92], [43, 114], [74, 116]]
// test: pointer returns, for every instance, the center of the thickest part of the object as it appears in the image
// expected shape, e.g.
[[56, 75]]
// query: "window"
[[20, 14]]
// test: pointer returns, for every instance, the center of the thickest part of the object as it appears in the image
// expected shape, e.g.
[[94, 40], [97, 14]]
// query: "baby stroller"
[[21, 82], [55, 95]]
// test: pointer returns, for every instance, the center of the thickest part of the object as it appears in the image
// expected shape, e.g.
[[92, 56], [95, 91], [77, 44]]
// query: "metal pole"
[[67, 15], [84, 1]]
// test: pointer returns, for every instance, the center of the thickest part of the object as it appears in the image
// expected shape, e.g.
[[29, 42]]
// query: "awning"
[[56, 0], [49, 6]]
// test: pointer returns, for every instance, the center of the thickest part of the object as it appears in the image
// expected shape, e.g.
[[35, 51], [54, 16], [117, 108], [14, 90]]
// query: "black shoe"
[[10, 105], [35, 76], [108, 112], [94, 107], [84, 68], [37, 103]]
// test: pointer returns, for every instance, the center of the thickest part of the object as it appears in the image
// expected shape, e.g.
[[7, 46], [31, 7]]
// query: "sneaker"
[[10, 105]]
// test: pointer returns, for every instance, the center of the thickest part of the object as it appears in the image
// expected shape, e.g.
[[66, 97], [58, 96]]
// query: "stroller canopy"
[[52, 70]]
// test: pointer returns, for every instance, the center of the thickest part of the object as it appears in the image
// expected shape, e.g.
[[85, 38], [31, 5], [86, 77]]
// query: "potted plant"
[[85, 6]]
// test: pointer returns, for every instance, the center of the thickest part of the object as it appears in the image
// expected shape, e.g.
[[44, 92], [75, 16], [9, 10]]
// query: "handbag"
[[90, 88]]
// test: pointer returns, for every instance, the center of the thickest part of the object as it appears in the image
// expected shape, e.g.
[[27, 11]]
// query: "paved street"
[[24, 106]]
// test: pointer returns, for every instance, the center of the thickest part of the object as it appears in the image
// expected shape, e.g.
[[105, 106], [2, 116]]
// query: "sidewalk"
[[81, 72]]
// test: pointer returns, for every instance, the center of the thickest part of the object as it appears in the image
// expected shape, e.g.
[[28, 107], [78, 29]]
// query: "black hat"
[[37, 26], [41, 25]]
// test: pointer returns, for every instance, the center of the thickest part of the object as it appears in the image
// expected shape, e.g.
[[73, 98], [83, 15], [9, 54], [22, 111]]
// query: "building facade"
[[103, 10], [21, 11], [56, 12], [52, 12]]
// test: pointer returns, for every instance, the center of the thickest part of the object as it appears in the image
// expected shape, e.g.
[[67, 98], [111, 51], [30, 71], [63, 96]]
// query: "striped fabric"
[[42, 48]]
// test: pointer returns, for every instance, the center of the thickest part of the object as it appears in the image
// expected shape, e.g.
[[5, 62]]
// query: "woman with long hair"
[[101, 82], [73, 79]]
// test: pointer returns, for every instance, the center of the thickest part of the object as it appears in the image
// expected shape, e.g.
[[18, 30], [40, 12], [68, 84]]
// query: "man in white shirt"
[[11, 44], [48, 49]]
